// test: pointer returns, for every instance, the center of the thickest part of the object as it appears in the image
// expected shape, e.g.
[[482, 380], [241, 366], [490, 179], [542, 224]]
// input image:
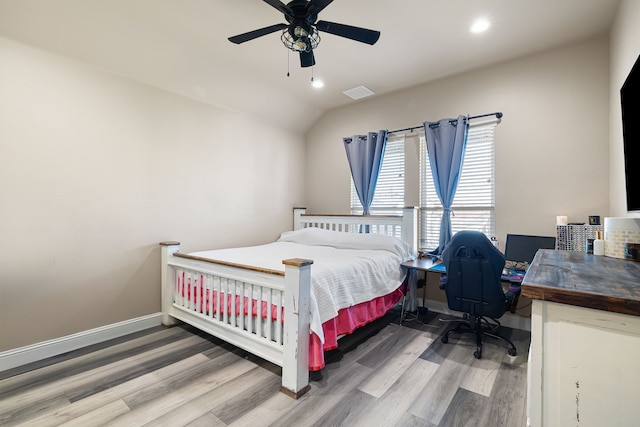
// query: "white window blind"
[[389, 196], [474, 203]]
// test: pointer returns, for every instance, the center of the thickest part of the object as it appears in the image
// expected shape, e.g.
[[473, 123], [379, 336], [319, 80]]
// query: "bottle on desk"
[[598, 244], [494, 242]]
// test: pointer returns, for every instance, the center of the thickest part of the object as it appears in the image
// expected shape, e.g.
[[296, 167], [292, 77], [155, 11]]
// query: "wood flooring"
[[388, 375]]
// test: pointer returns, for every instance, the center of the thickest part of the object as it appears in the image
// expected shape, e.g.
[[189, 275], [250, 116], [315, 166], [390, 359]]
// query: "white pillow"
[[313, 236]]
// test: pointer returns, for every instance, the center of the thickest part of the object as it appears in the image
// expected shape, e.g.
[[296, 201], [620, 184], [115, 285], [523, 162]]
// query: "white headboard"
[[404, 227]]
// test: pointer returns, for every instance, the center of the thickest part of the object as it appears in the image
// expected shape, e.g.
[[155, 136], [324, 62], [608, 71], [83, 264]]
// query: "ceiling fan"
[[301, 34]]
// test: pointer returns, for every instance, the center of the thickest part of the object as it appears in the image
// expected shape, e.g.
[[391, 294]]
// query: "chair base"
[[474, 324]]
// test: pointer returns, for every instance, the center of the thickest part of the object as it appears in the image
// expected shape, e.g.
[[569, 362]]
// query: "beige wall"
[[625, 48], [97, 169], [551, 147]]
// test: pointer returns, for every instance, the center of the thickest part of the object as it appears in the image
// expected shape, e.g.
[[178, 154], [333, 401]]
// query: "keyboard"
[[512, 275]]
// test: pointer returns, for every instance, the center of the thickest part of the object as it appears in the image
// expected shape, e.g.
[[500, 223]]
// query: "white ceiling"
[[182, 46]]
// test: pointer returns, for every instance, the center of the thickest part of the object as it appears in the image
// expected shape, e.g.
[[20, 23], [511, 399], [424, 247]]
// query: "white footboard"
[[263, 311]]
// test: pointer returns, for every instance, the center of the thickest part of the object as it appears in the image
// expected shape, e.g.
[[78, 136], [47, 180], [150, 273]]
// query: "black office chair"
[[473, 286]]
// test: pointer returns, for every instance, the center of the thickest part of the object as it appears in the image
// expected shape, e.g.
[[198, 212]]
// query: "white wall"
[[551, 147], [97, 169], [625, 48]]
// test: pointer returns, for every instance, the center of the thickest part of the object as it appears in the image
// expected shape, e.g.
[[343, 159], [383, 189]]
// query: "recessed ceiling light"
[[479, 26], [317, 83]]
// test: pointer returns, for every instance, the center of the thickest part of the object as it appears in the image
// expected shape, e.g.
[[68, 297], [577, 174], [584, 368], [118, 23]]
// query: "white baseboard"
[[32, 353], [509, 320]]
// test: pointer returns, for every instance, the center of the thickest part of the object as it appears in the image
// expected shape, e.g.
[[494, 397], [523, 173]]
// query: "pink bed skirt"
[[348, 320]]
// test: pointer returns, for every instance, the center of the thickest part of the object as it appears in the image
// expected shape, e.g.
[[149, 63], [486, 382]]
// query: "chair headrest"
[[471, 244]]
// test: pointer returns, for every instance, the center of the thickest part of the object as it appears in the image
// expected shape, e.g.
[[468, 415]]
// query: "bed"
[[288, 301]]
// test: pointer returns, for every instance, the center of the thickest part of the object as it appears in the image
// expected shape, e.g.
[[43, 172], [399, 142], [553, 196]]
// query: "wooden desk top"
[[419, 263], [591, 281]]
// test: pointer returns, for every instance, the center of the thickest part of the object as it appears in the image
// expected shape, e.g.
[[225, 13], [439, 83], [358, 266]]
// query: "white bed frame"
[[284, 344]]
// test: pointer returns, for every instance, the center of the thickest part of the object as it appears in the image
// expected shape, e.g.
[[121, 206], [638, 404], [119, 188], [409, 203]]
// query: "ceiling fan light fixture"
[[300, 32], [300, 43]]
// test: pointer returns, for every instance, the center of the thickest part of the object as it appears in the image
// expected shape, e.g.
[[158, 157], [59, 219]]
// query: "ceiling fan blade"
[[307, 59], [241, 38], [280, 6], [316, 6], [362, 35]]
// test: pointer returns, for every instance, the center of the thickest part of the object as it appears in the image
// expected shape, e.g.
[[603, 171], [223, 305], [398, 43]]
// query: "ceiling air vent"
[[358, 92]]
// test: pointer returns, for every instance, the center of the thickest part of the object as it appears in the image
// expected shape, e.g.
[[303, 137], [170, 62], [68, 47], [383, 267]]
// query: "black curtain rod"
[[498, 115]]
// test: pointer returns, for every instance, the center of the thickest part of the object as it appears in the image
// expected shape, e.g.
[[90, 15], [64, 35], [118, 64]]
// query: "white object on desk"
[[618, 232], [598, 244], [562, 220]]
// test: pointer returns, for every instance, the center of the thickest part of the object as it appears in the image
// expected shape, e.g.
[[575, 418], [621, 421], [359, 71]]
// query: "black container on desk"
[[589, 246], [632, 251]]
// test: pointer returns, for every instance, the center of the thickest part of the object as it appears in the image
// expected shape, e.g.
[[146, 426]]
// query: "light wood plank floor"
[[389, 375]]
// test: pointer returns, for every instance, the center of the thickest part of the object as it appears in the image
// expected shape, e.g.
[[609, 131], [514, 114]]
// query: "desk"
[[421, 264], [428, 265], [585, 340]]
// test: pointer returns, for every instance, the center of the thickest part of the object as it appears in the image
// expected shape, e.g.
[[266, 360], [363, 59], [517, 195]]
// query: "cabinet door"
[[585, 367]]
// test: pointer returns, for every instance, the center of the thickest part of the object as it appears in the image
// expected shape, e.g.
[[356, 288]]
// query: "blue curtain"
[[364, 153], [446, 143]]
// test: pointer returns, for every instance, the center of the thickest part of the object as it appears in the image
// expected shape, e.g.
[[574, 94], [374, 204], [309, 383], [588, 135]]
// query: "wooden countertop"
[[591, 281]]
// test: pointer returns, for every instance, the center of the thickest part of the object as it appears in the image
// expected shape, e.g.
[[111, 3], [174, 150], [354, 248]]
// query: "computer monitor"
[[522, 248]]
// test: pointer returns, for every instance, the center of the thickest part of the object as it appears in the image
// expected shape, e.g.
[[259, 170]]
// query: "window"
[[474, 203], [389, 196]]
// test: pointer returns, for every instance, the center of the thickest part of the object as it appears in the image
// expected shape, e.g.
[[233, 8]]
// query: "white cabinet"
[[584, 361], [584, 367]]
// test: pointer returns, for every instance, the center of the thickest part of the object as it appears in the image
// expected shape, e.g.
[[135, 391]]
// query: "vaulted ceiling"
[[182, 46]]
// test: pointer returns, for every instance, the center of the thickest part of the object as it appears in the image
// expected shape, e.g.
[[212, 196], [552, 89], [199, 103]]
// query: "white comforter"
[[347, 268]]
